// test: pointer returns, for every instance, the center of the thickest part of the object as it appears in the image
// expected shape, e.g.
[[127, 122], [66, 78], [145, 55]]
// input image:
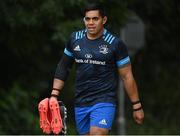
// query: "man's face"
[[94, 22]]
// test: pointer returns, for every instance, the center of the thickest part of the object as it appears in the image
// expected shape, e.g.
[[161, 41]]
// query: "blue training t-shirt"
[[97, 62]]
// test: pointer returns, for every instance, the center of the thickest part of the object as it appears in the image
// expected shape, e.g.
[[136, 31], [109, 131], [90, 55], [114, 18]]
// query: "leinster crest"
[[103, 49]]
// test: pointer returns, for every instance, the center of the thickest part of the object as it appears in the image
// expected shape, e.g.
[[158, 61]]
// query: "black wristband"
[[54, 95], [137, 109], [136, 102], [56, 89]]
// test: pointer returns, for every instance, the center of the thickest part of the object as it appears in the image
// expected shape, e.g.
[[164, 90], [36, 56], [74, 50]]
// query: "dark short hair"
[[95, 6]]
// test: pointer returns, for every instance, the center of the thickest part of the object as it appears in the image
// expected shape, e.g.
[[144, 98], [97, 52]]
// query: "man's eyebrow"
[[91, 17]]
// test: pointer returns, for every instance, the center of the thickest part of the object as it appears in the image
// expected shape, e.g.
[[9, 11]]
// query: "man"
[[98, 55]]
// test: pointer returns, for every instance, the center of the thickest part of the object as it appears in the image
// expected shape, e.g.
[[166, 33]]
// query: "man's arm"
[[57, 86], [132, 91], [61, 74]]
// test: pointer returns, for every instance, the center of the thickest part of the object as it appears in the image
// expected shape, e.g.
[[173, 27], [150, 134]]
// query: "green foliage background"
[[32, 38]]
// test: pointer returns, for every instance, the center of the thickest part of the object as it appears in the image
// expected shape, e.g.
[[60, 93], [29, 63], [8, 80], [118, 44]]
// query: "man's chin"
[[92, 32]]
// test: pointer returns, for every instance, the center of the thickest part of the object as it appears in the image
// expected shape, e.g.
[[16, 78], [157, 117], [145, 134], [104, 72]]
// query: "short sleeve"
[[121, 54]]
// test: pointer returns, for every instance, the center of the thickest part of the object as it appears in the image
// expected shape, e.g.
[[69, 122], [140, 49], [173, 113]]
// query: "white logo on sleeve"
[[77, 48], [103, 122]]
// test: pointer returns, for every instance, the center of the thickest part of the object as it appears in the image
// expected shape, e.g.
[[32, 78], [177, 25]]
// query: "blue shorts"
[[100, 115]]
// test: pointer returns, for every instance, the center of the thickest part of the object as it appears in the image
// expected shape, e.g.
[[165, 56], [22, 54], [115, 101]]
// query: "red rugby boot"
[[56, 122], [44, 121]]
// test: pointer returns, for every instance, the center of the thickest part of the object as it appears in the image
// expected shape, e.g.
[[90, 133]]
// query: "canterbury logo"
[[77, 48]]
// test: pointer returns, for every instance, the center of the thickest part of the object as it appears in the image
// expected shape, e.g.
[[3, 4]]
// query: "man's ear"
[[83, 19], [104, 20]]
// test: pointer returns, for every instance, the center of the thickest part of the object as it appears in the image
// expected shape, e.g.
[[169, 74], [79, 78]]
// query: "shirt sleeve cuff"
[[123, 62]]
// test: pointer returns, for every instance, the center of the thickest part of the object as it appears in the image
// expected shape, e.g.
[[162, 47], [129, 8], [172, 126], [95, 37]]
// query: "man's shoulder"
[[79, 34], [110, 38]]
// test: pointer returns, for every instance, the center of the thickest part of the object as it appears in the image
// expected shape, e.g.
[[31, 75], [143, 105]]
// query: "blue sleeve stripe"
[[80, 34], [106, 37], [68, 53], [109, 38], [112, 40], [77, 35], [123, 61]]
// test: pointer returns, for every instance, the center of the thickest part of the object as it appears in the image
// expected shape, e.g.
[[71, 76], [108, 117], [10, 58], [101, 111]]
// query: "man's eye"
[[95, 18], [87, 19]]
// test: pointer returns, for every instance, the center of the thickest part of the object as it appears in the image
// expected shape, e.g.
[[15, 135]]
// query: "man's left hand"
[[138, 116]]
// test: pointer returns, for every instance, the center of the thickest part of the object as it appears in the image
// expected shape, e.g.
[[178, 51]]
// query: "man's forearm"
[[130, 85], [132, 91], [57, 86]]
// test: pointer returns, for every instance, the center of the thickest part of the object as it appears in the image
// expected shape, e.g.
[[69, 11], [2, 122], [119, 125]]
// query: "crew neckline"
[[104, 32]]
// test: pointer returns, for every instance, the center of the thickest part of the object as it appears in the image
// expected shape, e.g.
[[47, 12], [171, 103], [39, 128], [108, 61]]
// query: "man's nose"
[[91, 21]]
